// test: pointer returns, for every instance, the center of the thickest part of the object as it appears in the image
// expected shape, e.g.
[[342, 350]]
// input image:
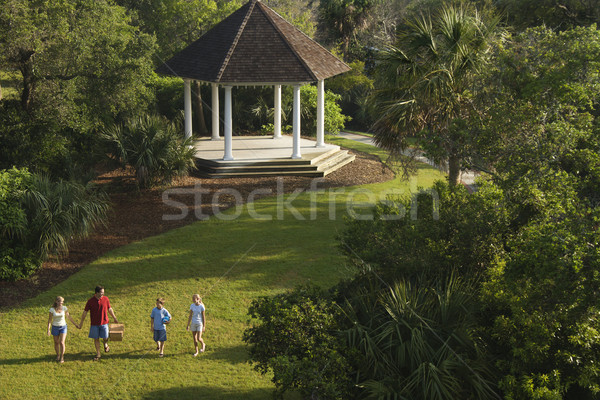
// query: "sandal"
[[97, 358], [161, 355], [106, 348]]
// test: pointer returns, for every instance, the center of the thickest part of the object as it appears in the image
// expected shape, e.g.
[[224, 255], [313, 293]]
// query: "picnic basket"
[[115, 332]]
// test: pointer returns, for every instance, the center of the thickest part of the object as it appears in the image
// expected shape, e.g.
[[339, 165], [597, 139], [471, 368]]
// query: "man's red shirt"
[[98, 309]]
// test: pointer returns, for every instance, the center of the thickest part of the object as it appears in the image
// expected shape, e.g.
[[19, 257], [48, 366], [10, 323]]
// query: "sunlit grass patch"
[[228, 262]]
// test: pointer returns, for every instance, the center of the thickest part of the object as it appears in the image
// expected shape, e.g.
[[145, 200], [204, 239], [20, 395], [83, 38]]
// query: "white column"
[[296, 132], [187, 107], [215, 111], [320, 114], [228, 156], [277, 116]]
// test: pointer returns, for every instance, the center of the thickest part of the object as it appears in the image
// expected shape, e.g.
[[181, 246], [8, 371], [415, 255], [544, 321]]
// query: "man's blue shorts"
[[160, 336], [98, 332], [57, 330]]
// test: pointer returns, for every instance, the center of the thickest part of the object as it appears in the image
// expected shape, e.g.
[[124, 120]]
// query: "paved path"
[[467, 178]]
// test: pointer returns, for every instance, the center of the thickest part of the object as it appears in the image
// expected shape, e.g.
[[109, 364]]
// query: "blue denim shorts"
[[160, 336], [98, 332], [57, 330]]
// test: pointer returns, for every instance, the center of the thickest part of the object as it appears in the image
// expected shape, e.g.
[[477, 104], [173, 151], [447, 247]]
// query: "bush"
[[415, 340], [295, 337], [434, 233], [153, 146], [17, 262], [39, 217], [334, 119]]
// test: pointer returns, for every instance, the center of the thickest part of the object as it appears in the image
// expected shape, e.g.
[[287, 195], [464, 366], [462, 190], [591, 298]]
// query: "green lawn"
[[411, 141], [229, 262]]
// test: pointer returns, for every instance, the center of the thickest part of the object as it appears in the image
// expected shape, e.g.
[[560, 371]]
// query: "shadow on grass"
[[232, 355], [213, 393], [81, 356]]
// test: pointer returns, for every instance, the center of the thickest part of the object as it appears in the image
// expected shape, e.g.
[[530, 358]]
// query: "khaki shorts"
[[196, 327]]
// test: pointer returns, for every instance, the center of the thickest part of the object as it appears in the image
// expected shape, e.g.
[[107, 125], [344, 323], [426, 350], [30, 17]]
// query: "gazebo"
[[255, 46]]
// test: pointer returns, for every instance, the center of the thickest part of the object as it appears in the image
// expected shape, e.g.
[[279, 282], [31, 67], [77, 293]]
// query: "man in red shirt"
[[99, 308]]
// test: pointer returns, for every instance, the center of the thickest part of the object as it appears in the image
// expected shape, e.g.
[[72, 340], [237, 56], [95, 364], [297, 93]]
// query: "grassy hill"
[[262, 248]]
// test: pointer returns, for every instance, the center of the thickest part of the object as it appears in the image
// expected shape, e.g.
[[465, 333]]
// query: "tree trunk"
[[453, 170], [0, 90], [198, 113], [26, 68]]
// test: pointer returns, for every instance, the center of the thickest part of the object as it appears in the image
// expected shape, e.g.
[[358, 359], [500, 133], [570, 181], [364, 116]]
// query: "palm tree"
[[153, 146], [426, 83], [60, 211], [415, 341]]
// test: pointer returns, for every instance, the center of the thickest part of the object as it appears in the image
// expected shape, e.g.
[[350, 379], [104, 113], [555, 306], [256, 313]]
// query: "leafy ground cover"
[[9, 82], [261, 248]]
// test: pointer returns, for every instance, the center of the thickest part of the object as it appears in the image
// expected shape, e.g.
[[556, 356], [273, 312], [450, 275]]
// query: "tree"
[[344, 18], [425, 84], [354, 86], [542, 109], [561, 15], [187, 21], [299, 13], [540, 315], [81, 62]]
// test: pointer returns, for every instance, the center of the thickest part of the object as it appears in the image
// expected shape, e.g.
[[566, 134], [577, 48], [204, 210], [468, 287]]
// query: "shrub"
[[295, 337], [39, 217], [415, 340], [153, 146], [334, 119], [17, 262]]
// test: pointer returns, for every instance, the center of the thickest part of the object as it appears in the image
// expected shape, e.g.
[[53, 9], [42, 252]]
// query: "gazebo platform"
[[266, 156]]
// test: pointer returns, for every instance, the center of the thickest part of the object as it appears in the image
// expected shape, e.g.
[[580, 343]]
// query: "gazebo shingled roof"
[[254, 45]]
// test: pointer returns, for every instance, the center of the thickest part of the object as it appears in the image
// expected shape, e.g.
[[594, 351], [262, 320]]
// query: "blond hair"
[[197, 296], [56, 300]]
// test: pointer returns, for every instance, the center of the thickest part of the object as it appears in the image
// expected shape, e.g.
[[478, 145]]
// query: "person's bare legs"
[[195, 337], [201, 341], [97, 344], [106, 347], [57, 347], [161, 347], [61, 347]]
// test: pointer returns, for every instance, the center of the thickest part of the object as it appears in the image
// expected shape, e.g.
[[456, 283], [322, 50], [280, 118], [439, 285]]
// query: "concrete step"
[[311, 173], [334, 167], [318, 166], [332, 159]]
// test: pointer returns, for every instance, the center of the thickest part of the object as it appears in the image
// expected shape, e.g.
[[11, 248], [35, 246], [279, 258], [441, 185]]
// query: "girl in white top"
[[57, 327], [197, 322]]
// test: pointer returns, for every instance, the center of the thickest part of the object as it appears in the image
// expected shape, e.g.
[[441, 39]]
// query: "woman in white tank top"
[[57, 327]]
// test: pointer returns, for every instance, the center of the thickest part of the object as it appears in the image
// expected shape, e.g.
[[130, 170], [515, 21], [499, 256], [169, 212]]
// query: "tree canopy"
[[82, 62], [425, 83]]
